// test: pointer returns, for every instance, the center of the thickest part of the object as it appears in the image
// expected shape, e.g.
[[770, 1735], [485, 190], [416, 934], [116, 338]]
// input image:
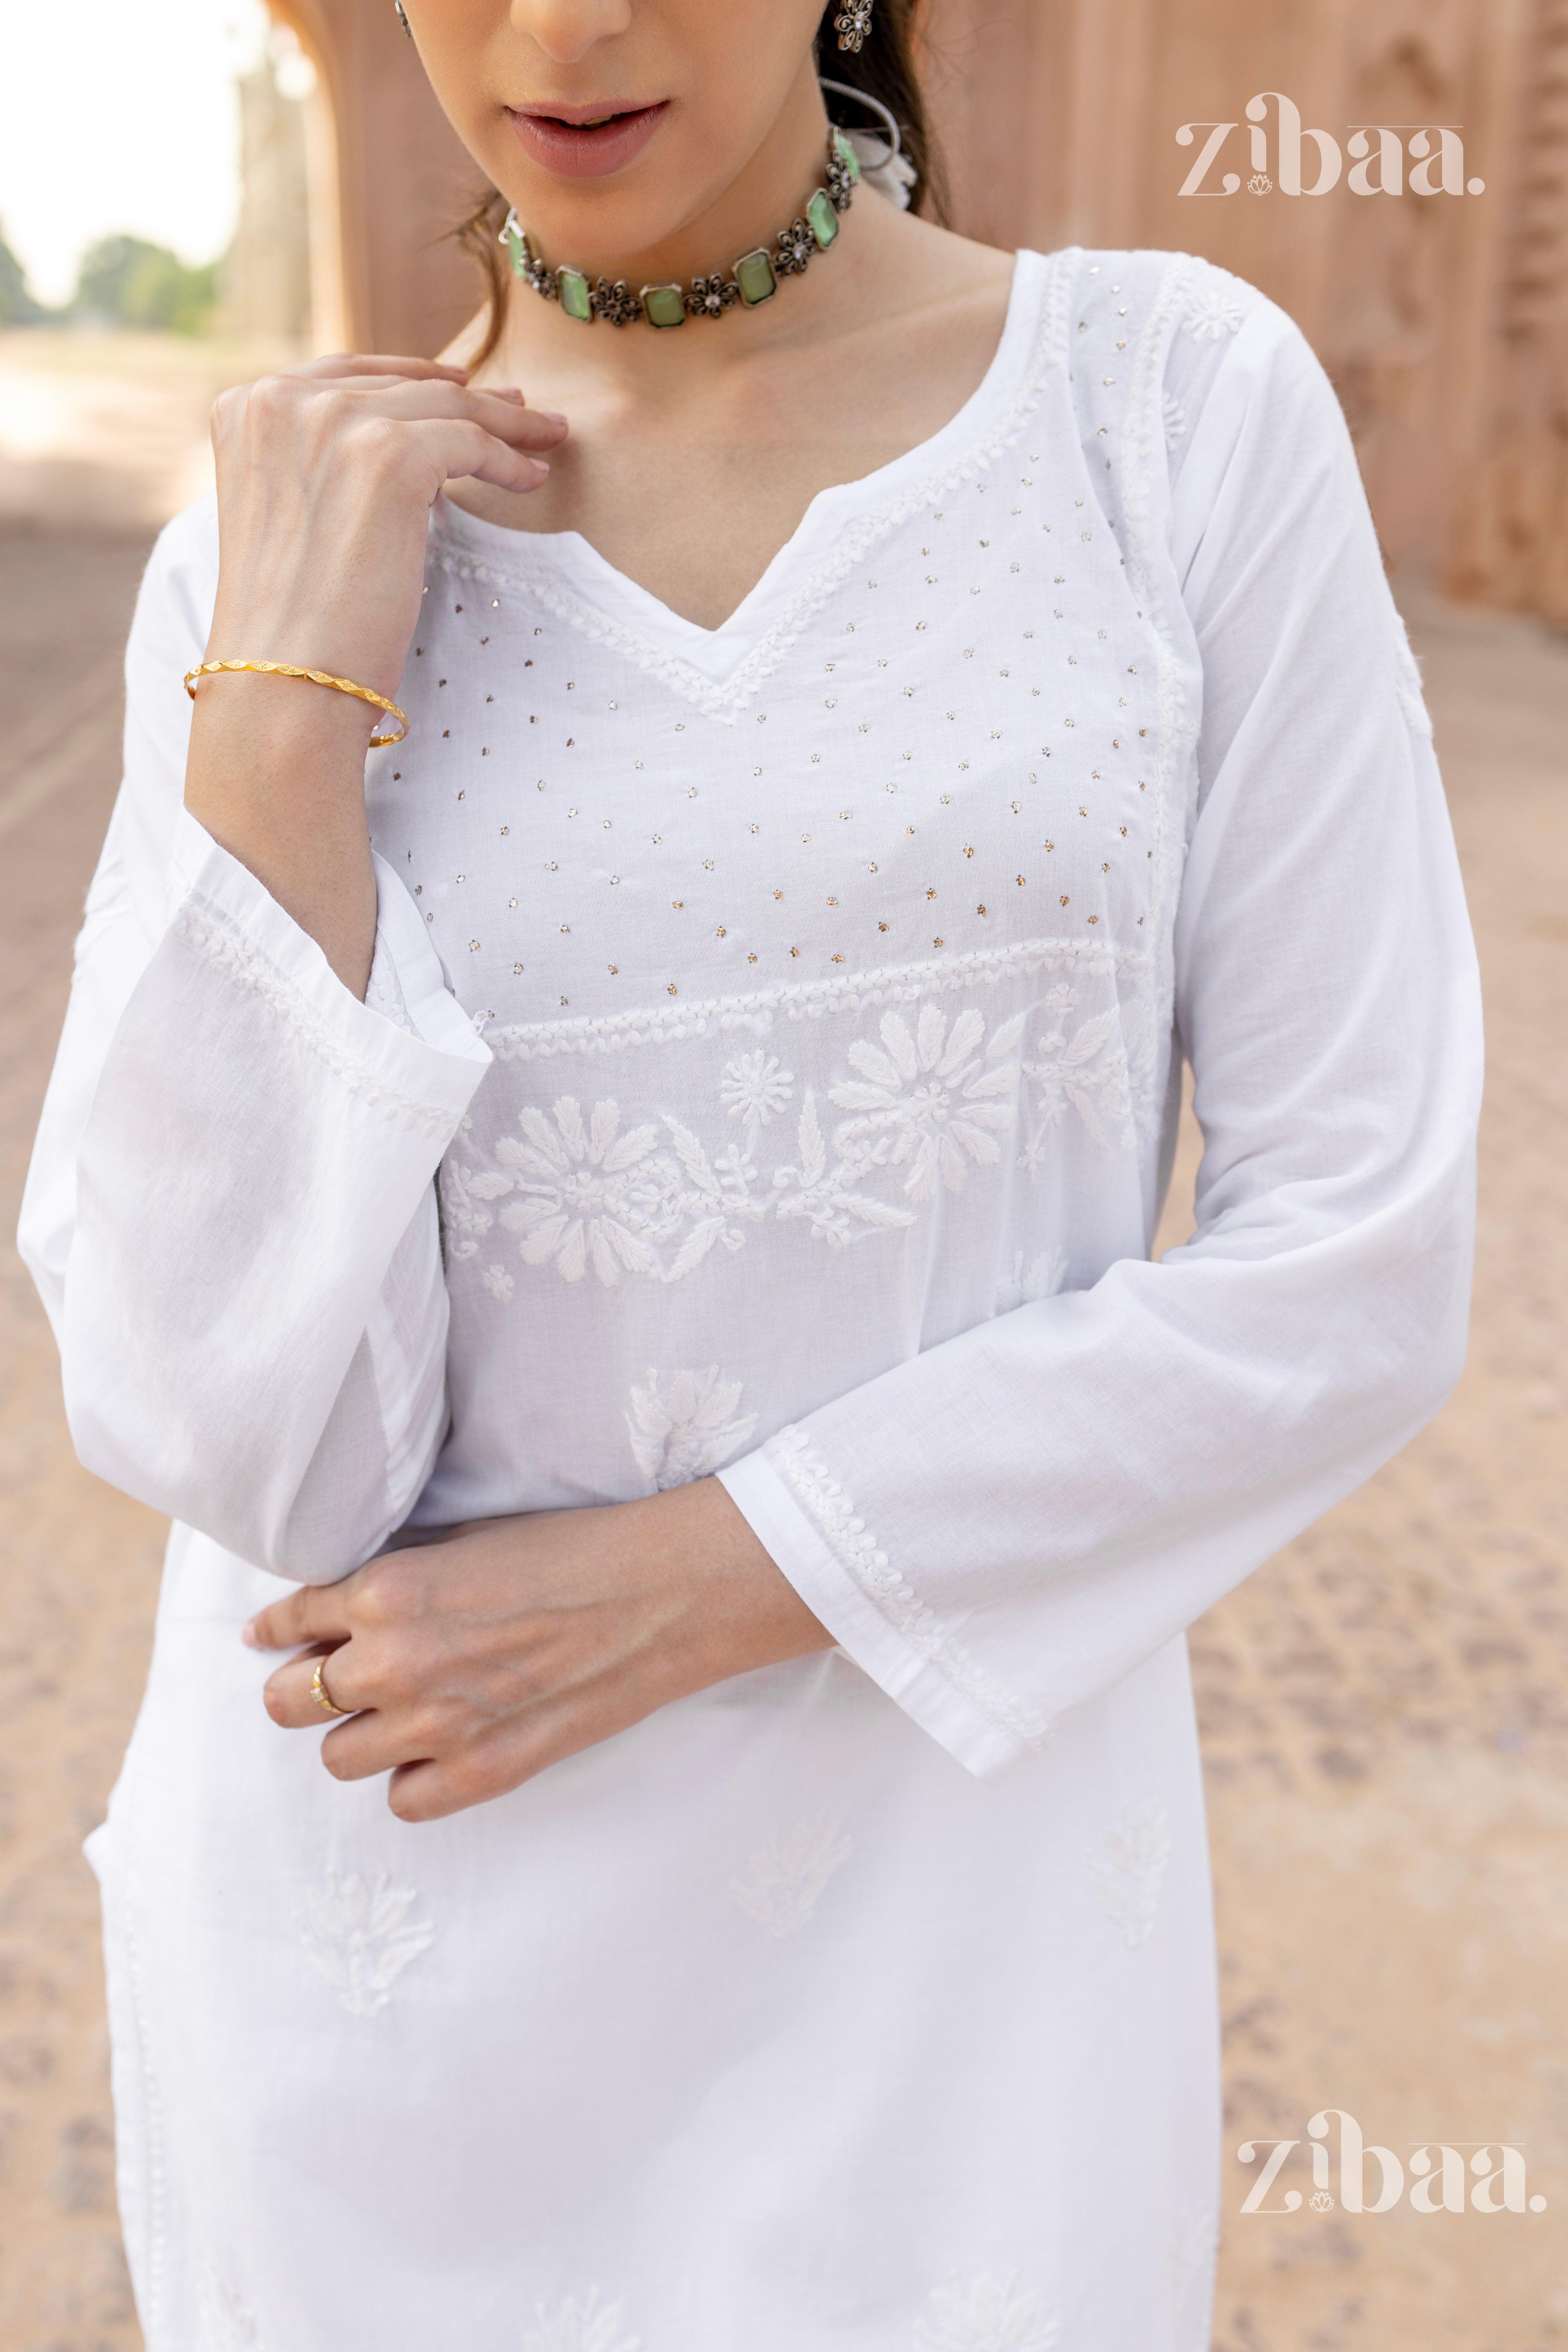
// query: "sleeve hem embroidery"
[[821, 1496], [209, 927]]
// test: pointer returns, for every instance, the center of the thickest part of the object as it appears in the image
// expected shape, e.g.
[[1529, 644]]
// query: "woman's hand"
[[477, 1660], [326, 476], [325, 479]]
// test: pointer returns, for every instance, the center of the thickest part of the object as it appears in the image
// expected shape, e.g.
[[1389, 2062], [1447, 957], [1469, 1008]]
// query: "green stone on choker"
[[755, 277], [664, 305], [572, 287], [756, 273]]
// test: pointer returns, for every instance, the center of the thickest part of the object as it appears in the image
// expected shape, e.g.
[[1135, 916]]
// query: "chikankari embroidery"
[[928, 1102], [227, 2322], [685, 1424], [360, 1935], [572, 2326], [822, 1497], [1087, 1070], [784, 1880], [935, 1096], [1129, 1872], [989, 2314]]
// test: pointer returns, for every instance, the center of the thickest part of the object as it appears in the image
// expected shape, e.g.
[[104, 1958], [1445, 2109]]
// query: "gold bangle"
[[317, 678]]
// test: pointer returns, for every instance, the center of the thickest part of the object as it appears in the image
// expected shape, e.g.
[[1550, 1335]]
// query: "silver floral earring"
[[852, 23], [403, 19]]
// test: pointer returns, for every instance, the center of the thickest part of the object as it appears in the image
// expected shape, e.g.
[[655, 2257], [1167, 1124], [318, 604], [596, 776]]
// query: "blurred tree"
[[18, 307], [123, 281]]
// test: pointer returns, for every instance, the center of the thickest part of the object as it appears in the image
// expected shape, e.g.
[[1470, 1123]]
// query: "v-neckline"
[[591, 580]]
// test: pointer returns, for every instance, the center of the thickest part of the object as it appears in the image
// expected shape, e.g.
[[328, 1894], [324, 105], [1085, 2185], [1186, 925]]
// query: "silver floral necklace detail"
[[753, 278]]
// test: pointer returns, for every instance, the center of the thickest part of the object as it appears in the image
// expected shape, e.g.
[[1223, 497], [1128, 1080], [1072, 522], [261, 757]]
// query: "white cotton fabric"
[[791, 1013]]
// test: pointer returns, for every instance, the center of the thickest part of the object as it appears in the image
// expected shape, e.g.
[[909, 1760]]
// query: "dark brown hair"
[[885, 68]]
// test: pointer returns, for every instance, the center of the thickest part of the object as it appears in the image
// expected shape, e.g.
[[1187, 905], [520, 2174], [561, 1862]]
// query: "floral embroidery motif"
[[684, 1424], [931, 1095], [227, 2322], [1216, 308], [784, 1880], [929, 1101], [582, 1195], [1088, 1070], [990, 2316], [828, 1198], [721, 1193], [464, 1192], [1129, 1872], [1175, 419], [1045, 1277], [755, 1089], [360, 1938], [571, 2327], [587, 1192]]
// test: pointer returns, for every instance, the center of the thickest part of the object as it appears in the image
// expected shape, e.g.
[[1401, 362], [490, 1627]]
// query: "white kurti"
[[790, 1013]]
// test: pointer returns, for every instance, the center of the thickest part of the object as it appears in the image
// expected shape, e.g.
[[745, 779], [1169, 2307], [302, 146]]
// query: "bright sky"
[[120, 114]]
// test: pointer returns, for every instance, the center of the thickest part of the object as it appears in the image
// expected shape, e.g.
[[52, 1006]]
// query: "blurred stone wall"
[[1442, 317]]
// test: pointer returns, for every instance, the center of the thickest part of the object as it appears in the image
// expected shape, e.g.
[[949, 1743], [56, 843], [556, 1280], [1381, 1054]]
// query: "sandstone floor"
[[1385, 1705]]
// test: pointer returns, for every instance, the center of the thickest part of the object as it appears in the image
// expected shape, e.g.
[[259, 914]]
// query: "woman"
[[862, 727]]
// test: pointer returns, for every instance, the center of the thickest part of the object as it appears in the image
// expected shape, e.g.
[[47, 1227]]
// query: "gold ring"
[[322, 1696]]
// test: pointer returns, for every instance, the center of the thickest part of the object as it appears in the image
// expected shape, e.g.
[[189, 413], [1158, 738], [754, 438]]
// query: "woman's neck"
[[746, 212]]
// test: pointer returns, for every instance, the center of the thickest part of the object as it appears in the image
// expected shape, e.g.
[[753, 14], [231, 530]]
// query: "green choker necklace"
[[753, 278]]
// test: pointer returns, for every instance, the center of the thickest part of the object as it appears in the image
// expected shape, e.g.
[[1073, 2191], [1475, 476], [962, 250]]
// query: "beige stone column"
[[391, 177]]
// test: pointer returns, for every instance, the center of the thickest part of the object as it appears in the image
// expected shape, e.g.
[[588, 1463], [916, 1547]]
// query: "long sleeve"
[[1002, 1526], [230, 1214]]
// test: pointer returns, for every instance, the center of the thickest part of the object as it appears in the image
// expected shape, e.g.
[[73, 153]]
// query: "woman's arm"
[[326, 476], [230, 1213], [1002, 1528]]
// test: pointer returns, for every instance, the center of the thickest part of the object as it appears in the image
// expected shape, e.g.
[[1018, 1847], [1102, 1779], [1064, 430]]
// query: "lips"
[[577, 146]]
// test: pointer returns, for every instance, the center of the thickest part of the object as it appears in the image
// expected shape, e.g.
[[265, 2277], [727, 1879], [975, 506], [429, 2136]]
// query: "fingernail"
[[550, 416], [541, 464], [507, 392], [248, 1636]]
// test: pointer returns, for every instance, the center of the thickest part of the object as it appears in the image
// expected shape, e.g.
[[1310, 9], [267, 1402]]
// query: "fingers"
[[431, 1788], [459, 451], [367, 1743], [499, 409], [372, 1744], [316, 1613], [289, 1694], [473, 1771], [421, 389], [352, 364]]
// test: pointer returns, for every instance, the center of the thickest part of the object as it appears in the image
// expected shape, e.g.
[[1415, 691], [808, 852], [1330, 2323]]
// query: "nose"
[[567, 30]]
